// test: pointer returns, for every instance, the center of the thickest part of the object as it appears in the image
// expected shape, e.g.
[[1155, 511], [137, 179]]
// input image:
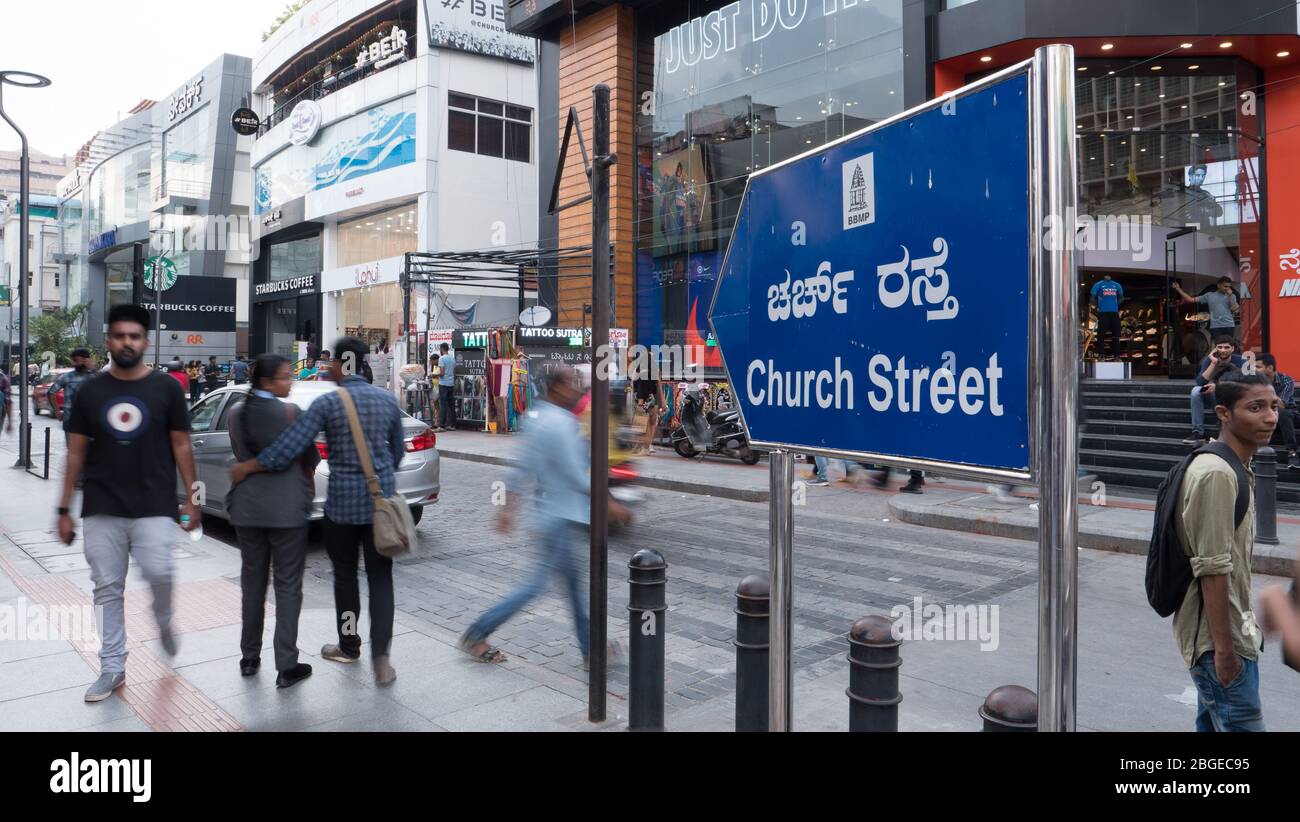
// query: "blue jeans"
[[1232, 708], [560, 554], [1198, 398], [819, 466]]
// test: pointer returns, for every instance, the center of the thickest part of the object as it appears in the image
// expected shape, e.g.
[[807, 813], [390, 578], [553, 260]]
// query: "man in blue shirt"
[[1223, 361], [1287, 414], [349, 511], [239, 370], [1106, 296], [446, 388], [554, 463], [70, 381]]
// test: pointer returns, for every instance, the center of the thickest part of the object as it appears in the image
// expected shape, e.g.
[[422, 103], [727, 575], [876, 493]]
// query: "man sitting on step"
[[1222, 362]]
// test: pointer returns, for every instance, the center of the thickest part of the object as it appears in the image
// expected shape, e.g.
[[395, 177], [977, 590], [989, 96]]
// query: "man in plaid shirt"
[[349, 510], [1287, 415]]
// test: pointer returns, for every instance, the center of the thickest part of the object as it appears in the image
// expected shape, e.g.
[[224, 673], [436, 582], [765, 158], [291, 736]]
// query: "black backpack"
[[1169, 568]]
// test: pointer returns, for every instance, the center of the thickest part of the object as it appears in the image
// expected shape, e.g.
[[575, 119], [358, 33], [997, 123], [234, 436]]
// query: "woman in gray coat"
[[269, 511]]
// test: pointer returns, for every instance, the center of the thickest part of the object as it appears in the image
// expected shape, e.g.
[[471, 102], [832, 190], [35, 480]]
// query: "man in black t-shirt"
[[127, 434], [212, 374]]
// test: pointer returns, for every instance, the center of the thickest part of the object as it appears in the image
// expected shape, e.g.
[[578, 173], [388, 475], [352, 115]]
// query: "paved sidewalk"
[[710, 475], [1119, 524]]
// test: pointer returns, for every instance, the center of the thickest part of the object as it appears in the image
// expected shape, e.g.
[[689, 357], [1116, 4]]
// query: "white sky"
[[103, 56]]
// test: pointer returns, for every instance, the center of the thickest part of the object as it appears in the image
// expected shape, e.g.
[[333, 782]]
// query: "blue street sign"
[[874, 299]]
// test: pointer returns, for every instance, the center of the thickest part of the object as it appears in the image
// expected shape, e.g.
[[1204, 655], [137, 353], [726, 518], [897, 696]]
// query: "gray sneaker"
[[336, 654], [104, 686]]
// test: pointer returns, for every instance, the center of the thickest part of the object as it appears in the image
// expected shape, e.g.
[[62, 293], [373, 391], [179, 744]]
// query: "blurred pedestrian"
[[554, 463]]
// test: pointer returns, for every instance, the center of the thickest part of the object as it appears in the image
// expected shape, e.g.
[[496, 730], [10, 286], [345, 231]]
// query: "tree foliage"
[[289, 10], [59, 332]]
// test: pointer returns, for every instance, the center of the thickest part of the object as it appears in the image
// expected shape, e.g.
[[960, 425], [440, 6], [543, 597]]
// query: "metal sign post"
[[905, 296], [781, 565], [1056, 448]]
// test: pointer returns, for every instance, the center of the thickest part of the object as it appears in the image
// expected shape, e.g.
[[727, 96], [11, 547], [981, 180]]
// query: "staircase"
[[1134, 432]]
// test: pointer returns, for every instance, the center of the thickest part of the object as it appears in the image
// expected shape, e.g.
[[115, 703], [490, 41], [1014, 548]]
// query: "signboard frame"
[[1037, 313], [1052, 374]]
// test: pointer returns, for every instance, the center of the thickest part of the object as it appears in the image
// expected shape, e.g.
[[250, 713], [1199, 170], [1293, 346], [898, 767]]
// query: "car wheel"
[[417, 511]]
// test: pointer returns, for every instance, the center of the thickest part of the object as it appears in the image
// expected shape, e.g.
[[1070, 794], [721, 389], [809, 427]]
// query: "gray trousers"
[[110, 542], [285, 551]]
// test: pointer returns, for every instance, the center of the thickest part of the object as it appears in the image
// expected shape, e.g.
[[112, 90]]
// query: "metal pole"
[[1265, 466], [1054, 183], [24, 209], [780, 537], [157, 311], [601, 161]]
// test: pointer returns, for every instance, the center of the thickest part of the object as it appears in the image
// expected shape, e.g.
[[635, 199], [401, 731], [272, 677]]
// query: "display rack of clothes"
[[502, 357]]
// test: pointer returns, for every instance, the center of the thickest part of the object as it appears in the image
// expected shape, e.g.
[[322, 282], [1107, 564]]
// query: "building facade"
[[387, 128], [1180, 126], [44, 172], [45, 277], [175, 166]]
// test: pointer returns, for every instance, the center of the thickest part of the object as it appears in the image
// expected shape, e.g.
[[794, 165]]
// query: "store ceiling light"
[[1223, 82], [1156, 68], [1193, 66], [1185, 45], [1284, 54], [1107, 46], [1082, 68], [1226, 44], [986, 59]]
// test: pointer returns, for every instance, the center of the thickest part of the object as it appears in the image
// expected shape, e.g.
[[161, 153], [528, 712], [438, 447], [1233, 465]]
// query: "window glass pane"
[[489, 107], [460, 131], [489, 136], [519, 113], [296, 258], [202, 415], [378, 236], [517, 141], [460, 100]]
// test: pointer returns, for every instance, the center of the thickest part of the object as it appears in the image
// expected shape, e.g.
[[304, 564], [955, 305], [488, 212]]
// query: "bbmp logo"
[[859, 191]]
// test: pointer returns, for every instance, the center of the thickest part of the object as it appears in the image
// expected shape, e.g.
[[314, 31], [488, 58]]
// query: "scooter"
[[713, 432]]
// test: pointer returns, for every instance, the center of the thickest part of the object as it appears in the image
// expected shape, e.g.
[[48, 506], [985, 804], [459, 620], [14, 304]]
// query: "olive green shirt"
[[1204, 522]]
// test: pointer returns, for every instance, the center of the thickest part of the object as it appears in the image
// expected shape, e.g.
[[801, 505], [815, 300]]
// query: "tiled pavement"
[[850, 560]]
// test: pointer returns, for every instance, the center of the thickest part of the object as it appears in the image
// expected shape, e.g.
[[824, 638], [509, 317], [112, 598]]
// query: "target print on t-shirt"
[[127, 418]]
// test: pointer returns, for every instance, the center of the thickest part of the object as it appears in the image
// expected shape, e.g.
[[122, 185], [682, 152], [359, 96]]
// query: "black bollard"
[[753, 596], [873, 675], [648, 581], [1265, 466], [1010, 708]]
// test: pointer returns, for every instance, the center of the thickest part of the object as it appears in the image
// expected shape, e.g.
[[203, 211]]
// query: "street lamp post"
[[159, 265], [23, 79]]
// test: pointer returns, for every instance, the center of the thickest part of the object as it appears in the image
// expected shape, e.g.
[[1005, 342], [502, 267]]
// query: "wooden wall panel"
[[599, 49]]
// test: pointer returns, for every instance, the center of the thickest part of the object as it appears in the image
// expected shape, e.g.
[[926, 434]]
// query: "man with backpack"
[[1198, 567]]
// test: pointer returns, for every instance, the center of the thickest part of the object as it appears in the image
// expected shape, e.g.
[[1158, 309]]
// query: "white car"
[[417, 476]]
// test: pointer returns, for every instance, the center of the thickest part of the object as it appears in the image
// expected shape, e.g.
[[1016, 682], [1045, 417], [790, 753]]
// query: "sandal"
[[488, 655]]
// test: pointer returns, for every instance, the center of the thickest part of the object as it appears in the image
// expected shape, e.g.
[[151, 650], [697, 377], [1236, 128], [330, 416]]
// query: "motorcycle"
[[712, 432]]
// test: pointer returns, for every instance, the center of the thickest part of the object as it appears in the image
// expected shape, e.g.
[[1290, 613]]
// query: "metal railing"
[[326, 86]]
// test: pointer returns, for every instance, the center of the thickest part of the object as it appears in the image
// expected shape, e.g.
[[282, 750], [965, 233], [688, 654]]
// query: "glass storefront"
[[72, 228], [290, 312], [720, 96], [377, 236], [290, 321], [1169, 170], [373, 313]]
